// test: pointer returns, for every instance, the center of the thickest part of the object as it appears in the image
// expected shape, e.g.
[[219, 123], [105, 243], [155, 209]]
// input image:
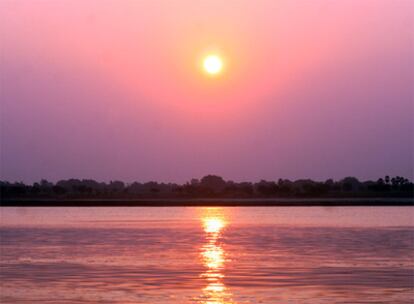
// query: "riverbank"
[[208, 202]]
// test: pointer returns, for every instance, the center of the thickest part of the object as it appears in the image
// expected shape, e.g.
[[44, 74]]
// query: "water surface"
[[207, 255]]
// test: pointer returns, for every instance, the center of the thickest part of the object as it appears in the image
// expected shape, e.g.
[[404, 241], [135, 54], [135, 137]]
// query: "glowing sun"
[[213, 64]]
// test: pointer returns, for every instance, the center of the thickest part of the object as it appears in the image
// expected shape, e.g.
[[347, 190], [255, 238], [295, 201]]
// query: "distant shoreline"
[[209, 202]]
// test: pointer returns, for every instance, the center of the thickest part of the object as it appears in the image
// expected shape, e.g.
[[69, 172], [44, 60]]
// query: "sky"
[[109, 89]]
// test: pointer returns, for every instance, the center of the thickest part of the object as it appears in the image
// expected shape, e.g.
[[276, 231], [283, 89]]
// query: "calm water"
[[207, 255]]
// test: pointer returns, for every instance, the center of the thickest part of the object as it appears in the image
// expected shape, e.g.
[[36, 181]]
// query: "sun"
[[213, 64]]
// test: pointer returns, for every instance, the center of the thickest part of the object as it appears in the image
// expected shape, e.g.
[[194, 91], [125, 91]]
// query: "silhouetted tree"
[[213, 183]]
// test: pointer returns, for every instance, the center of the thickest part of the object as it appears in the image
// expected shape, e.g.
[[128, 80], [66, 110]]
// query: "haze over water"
[[207, 255]]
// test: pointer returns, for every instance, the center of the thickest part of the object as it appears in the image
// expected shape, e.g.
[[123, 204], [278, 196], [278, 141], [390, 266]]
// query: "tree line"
[[210, 186]]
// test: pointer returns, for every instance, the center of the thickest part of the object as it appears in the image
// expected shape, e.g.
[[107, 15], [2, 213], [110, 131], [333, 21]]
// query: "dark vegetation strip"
[[211, 190], [334, 202]]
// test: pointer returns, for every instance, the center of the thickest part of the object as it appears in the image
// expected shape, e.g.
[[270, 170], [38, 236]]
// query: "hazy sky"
[[110, 89]]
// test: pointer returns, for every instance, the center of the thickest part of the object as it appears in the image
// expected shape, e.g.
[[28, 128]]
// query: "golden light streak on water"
[[213, 225], [213, 257]]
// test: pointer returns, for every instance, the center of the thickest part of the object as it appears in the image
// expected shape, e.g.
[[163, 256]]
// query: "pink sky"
[[109, 89]]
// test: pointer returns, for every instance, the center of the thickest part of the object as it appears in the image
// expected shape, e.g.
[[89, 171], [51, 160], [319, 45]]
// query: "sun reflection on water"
[[213, 258], [213, 224]]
